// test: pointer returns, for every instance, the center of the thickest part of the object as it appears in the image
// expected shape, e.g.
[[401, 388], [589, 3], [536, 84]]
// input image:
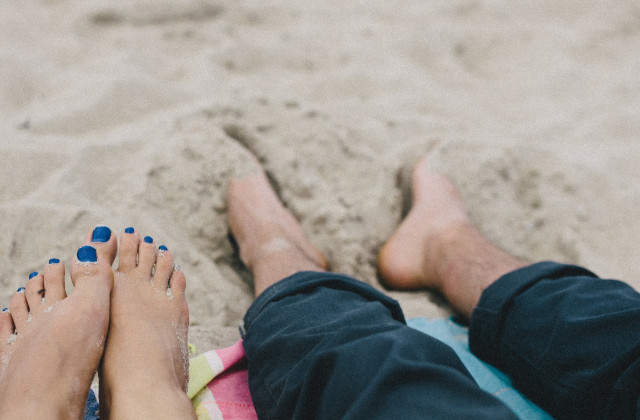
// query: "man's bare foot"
[[145, 368], [410, 259], [271, 242], [49, 362], [438, 247]]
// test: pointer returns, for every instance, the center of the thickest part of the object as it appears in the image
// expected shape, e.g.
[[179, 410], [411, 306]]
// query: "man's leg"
[[322, 345], [438, 247], [569, 341]]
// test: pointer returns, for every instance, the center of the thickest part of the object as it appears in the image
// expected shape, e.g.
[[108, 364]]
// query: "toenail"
[[163, 248], [101, 234], [32, 275], [87, 254], [148, 239], [20, 290], [129, 230], [5, 309], [54, 261]]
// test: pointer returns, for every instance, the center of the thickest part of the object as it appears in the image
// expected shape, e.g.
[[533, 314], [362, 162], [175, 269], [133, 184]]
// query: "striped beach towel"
[[219, 380], [219, 385]]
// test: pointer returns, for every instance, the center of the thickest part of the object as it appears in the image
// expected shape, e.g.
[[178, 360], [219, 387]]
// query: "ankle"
[[450, 247], [271, 267]]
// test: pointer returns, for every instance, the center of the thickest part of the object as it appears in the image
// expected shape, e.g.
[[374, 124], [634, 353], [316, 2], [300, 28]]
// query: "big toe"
[[91, 273], [105, 243]]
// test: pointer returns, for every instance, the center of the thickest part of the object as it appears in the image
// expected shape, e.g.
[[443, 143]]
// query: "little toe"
[[177, 284], [129, 243], [34, 291], [105, 243], [19, 309], [146, 256], [54, 290], [164, 268], [6, 326]]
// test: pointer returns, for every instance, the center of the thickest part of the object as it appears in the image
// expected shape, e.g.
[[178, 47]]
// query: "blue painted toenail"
[[87, 254], [101, 234], [20, 290], [129, 230], [148, 239], [54, 261], [5, 309], [32, 275], [163, 248]]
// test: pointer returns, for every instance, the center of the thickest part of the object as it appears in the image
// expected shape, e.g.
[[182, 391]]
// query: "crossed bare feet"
[[436, 246], [51, 344]]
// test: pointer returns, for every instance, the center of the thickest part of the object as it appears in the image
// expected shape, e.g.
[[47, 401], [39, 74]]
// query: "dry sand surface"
[[136, 113]]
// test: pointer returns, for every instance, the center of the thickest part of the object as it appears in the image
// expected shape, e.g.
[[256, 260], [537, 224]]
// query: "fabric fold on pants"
[[569, 340], [326, 346]]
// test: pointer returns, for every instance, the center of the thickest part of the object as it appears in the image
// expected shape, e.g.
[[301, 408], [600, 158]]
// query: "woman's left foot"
[[145, 368]]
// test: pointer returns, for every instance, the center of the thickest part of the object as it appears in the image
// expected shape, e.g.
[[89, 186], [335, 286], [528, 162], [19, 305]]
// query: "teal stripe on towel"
[[488, 378]]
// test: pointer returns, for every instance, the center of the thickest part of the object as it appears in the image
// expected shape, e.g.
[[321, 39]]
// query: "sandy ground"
[[136, 113]]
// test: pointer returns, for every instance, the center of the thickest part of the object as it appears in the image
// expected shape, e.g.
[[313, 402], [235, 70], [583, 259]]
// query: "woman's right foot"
[[49, 361], [145, 368]]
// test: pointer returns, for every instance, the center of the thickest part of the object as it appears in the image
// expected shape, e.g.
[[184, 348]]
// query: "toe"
[[104, 242], [128, 250], [146, 256], [6, 325], [91, 273], [19, 309], [34, 291], [164, 268], [54, 281], [178, 284]]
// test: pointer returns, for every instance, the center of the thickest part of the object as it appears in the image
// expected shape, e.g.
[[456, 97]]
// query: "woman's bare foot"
[[271, 242], [437, 246], [145, 368], [49, 362]]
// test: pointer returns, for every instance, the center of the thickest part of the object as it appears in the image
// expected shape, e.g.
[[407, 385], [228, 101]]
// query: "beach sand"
[[136, 113]]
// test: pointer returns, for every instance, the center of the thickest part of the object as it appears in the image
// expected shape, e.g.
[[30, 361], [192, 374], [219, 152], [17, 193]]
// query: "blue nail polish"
[[87, 254], [32, 275], [54, 261], [148, 239], [129, 230], [163, 248], [5, 309], [20, 290], [101, 234]]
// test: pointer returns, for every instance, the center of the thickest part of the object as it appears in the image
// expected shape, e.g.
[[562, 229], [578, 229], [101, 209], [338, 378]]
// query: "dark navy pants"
[[326, 346]]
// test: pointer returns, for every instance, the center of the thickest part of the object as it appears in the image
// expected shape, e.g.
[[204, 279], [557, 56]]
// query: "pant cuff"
[[488, 318], [305, 281]]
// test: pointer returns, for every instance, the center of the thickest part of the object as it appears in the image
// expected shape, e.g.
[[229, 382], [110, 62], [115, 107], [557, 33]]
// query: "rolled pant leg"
[[569, 340], [326, 346]]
